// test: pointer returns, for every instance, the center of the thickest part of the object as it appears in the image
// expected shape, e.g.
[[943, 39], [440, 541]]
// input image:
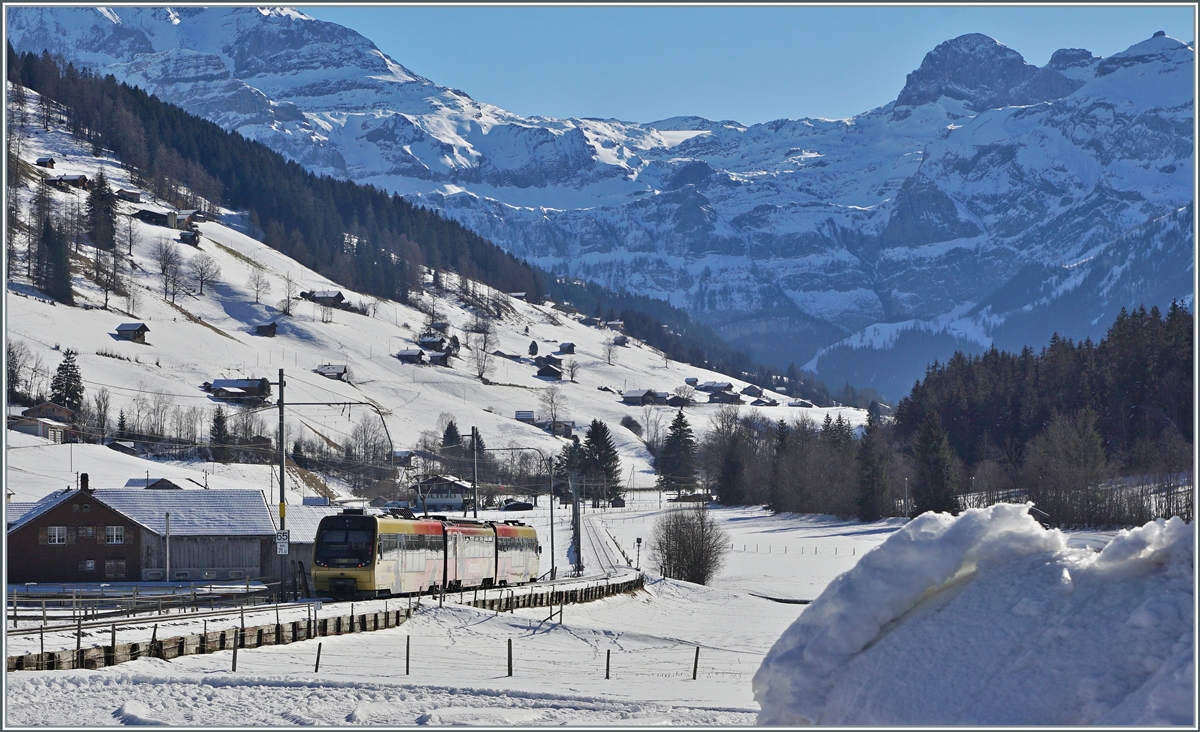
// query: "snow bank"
[[987, 618]]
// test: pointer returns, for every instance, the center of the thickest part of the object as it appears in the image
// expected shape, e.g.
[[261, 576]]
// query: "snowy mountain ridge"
[[788, 236], [197, 338]]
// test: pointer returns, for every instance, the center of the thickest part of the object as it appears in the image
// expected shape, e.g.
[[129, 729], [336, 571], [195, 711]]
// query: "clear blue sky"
[[751, 64]]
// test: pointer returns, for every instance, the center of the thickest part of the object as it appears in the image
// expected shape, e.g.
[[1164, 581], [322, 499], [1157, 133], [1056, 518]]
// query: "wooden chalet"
[[550, 372], [525, 415], [131, 196], [247, 391], [620, 340], [266, 330], [432, 342], [44, 163], [440, 326], [637, 397], [412, 355], [135, 332], [333, 371], [120, 534], [566, 348], [724, 397], [190, 237], [440, 359], [711, 386], [328, 298], [150, 216], [50, 410], [559, 428], [678, 401]]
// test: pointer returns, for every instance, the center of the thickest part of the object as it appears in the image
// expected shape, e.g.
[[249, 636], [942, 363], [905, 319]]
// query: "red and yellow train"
[[359, 555]]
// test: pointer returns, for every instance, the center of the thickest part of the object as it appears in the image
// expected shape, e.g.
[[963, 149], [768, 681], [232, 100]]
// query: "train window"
[[389, 547], [344, 547]]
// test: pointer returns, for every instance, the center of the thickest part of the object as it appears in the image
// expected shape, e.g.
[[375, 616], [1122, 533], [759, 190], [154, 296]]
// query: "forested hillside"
[[1093, 434], [358, 235]]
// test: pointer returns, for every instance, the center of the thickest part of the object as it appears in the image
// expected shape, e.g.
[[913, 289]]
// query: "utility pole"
[[282, 477], [553, 567], [475, 469], [575, 527]]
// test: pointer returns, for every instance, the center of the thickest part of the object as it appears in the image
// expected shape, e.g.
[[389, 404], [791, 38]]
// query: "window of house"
[[87, 532], [87, 565], [75, 508], [56, 534], [87, 507], [114, 534], [114, 569]]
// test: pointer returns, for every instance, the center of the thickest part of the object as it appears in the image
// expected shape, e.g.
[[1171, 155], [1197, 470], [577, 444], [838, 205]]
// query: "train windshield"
[[344, 542]]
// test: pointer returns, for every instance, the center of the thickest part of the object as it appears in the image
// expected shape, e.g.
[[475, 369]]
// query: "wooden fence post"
[[407, 652], [317, 667], [235, 647], [696, 663], [510, 656], [607, 662]]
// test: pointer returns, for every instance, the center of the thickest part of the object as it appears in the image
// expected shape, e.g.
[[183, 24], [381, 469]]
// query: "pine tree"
[[452, 447], [677, 461], [533, 349], [66, 388], [122, 425], [933, 488], [218, 435], [102, 214], [55, 265], [600, 459], [872, 472]]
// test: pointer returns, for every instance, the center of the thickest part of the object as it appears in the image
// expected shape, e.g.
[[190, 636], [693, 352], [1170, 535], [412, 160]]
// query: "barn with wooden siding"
[[220, 534]]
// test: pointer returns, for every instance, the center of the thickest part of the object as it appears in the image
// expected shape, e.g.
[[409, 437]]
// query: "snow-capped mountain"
[[790, 236]]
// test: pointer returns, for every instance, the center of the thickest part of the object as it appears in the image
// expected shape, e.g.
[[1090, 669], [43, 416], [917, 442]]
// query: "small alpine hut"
[[135, 332]]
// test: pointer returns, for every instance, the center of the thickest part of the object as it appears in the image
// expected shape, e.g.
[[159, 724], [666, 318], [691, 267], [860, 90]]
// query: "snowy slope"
[[787, 236], [988, 619], [200, 338]]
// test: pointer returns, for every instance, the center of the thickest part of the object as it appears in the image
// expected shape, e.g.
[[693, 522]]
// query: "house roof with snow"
[[30, 511], [134, 327], [301, 520], [223, 512]]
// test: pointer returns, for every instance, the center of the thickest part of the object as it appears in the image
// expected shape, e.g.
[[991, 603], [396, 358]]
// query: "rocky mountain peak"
[[982, 72]]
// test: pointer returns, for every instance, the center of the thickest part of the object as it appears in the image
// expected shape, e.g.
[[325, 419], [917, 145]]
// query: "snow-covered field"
[[983, 619]]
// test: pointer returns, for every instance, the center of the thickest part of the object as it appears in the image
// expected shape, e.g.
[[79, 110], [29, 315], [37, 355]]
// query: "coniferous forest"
[[1095, 434], [359, 236]]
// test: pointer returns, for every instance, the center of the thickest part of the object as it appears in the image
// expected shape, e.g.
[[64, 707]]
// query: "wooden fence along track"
[[293, 631]]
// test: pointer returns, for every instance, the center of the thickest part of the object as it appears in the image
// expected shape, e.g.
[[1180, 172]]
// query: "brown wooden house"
[[72, 537], [135, 332]]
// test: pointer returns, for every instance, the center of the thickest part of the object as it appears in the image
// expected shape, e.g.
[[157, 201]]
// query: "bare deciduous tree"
[[687, 392], [167, 258], [202, 269], [290, 289], [553, 403], [258, 283], [572, 369], [610, 351], [687, 544], [130, 234], [481, 344]]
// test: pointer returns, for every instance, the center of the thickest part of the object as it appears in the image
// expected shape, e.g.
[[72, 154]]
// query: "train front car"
[[516, 553], [470, 554], [344, 555]]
